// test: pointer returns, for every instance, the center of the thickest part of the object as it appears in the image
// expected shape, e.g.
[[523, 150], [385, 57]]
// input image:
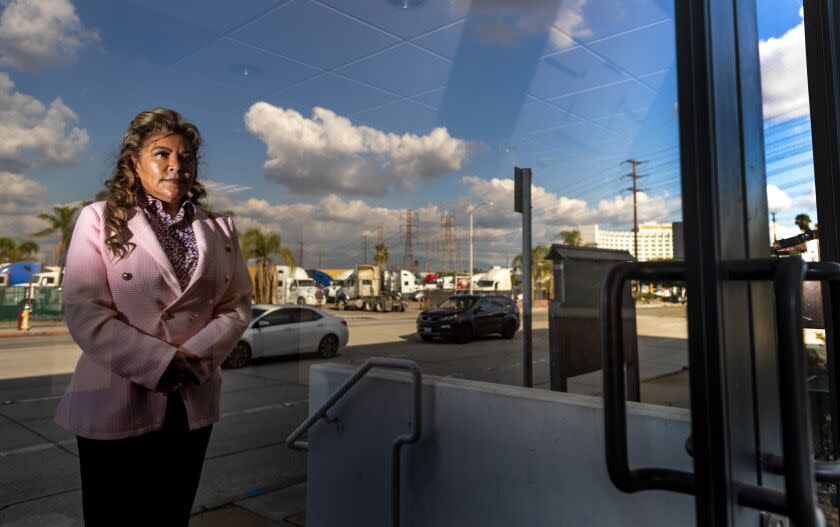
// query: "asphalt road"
[[39, 481]]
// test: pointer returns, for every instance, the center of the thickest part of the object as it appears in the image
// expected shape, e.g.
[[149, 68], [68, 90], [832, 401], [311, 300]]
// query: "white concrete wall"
[[489, 455]]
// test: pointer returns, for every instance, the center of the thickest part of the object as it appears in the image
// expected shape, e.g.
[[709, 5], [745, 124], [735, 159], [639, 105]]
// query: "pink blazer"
[[130, 315]]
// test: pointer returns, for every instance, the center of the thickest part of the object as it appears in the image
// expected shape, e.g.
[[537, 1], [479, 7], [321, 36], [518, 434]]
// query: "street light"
[[471, 239]]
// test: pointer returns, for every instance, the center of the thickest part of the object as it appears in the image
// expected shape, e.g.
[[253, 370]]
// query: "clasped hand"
[[185, 367]]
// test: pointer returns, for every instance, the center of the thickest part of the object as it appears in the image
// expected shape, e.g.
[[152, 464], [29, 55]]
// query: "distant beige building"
[[655, 241]]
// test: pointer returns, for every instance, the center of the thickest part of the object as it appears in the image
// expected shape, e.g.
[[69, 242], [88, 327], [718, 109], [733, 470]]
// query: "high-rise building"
[[656, 242]]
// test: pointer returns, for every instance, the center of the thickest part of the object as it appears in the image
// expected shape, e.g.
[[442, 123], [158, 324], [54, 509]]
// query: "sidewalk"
[[282, 508], [37, 328]]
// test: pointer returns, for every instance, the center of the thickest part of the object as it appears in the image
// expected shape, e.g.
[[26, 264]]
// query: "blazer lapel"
[[203, 234], [146, 240]]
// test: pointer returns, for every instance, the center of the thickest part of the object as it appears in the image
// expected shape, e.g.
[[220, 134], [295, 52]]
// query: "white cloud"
[[37, 33], [33, 133], [21, 200], [507, 21], [553, 209], [328, 153], [777, 199], [784, 75], [20, 195]]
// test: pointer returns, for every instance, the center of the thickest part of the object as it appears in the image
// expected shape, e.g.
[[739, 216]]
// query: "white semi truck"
[[497, 280], [370, 289], [295, 286]]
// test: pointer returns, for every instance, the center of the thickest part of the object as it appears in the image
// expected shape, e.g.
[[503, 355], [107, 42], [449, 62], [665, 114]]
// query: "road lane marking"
[[33, 400]]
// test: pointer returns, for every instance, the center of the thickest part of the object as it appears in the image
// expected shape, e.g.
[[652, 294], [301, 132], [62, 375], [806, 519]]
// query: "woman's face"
[[166, 166]]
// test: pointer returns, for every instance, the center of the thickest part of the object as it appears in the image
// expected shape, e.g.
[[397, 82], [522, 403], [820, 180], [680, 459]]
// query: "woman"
[[156, 294]]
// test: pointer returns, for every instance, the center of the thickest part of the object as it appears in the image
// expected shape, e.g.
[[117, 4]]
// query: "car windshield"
[[256, 312], [457, 303], [306, 283]]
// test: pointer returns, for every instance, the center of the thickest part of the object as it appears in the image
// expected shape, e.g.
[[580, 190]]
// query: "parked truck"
[[337, 284], [18, 273], [365, 289], [497, 280], [295, 286]]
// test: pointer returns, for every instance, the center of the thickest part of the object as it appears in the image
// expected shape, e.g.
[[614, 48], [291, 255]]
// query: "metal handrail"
[[416, 426]]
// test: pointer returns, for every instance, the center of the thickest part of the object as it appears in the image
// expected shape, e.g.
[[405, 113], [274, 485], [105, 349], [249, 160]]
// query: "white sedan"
[[288, 330]]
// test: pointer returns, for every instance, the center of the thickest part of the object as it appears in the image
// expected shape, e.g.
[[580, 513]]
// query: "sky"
[[325, 121]]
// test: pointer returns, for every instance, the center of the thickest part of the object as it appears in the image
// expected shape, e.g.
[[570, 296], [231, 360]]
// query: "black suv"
[[463, 317]]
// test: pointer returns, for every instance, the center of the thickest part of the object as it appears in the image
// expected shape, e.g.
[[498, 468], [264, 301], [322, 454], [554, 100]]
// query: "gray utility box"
[[574, 316]]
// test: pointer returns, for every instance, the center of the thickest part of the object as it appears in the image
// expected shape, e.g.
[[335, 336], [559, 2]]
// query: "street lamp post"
[[471, 240]]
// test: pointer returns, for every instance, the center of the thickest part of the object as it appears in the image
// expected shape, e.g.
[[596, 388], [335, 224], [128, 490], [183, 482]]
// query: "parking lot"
[[263, 403]]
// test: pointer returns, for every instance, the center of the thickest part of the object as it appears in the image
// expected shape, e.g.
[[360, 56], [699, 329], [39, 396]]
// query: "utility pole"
[[773, 215], [300, 257], [472, 213], [635, 189]]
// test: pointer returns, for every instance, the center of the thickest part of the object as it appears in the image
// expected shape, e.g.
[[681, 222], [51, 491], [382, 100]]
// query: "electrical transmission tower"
[[635, 189], [450, 242], [364, 248], [408, 253]]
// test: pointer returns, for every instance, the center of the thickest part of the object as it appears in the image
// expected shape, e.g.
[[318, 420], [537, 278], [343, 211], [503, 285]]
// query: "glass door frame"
[[731, 327], [822, 44]]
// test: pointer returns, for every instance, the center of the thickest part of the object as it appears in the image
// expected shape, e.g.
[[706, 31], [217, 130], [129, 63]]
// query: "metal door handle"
[[615, 402], [799, 500]]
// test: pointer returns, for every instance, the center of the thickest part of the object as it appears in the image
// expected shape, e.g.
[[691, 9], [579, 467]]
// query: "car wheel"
[[427, 338], [328, 346], [465, 334], [341, 305], [509, 330], [378, 307], [239, 357], [301, 301]]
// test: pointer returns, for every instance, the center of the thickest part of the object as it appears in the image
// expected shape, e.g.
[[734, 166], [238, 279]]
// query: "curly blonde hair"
[[125, 187]]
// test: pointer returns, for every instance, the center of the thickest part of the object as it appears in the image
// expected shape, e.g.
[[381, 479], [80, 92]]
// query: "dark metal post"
[[522, 179], [822, 35]]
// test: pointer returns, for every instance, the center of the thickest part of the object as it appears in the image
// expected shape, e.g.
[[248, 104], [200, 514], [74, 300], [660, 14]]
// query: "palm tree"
[[256, 244], [10, 251], [540, 267], [571, 237], [61, 221], [803, 221], [380, 257]]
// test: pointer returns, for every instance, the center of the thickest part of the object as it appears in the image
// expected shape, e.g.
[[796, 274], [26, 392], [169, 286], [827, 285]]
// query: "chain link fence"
[[46, 303]]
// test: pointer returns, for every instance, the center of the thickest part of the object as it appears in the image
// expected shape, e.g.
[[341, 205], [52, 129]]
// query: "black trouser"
[[149, 480]]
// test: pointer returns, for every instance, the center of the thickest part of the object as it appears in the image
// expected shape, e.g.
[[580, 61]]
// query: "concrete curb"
[[34, 333]]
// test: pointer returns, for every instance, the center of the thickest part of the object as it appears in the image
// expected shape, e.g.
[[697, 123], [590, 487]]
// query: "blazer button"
[[166, 315], [227, 248], [193, 316], [227, 278], [126, 276]]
